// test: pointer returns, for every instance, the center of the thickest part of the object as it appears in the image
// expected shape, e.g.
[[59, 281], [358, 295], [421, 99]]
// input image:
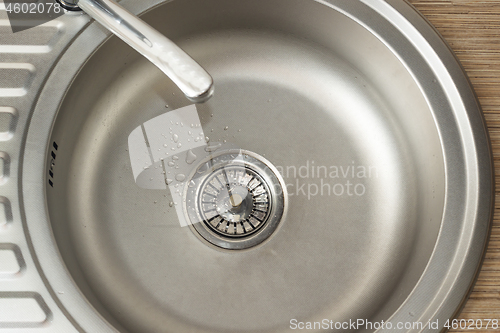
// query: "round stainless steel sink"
[[358, 184]]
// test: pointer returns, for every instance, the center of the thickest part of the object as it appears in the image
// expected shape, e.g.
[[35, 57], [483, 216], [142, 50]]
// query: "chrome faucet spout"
[[185, 72]]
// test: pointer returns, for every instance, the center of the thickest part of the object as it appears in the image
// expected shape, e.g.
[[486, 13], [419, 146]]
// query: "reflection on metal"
[[234, 198], [282, 79], [186, 73], [233, 201]]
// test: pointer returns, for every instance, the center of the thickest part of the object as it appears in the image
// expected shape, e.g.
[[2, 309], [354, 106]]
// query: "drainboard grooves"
[[23, 310], [8, 122], [5, 213], [15, 79], [4, 167], [12, 263], [25, 60]]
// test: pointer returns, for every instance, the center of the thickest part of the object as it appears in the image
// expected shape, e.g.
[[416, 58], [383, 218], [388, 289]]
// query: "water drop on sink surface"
[[190, 157]]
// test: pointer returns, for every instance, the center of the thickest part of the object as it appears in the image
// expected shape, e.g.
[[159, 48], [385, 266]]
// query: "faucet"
[[186, 73]]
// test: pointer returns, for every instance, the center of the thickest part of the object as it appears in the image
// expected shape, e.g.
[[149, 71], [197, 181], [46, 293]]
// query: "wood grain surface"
[[472, 28]]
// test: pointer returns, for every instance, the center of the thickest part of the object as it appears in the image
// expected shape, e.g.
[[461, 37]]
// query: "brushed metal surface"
[[341, 260], [394, 99], [23, 311], [469, 27]]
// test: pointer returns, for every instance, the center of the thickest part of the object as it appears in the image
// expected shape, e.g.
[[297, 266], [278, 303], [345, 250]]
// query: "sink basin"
[[359, 109]]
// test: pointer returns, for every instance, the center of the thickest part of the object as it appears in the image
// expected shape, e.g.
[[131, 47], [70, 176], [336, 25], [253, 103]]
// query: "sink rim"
[[442, 61]]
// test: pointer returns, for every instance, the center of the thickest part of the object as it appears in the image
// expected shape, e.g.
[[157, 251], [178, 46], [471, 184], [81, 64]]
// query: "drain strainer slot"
[[235, 199]]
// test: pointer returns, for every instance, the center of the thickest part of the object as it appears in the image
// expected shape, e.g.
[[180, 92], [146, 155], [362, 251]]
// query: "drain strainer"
[[235, 199]]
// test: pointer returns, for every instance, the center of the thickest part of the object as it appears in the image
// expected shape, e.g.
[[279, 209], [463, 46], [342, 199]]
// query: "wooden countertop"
[[472, 28]]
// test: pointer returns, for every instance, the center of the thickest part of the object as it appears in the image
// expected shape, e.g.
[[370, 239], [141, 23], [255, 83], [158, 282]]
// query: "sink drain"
[[235, 199]]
